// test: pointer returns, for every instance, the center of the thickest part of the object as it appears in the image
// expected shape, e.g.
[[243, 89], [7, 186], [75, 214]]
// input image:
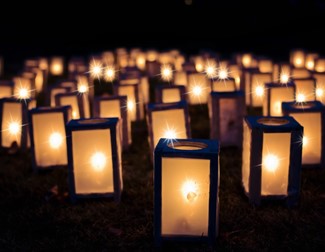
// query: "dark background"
[[269, 28]]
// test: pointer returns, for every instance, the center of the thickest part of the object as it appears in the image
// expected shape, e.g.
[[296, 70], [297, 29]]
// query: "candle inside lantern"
[[211, 70], [56, 66], [98, 161], [109, 73], [284, 77], [259, 91], [55, 140], [166, 72], [95, 69], [11, 124]]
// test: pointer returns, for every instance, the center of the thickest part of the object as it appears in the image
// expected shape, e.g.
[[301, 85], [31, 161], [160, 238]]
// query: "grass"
[[34, 219]]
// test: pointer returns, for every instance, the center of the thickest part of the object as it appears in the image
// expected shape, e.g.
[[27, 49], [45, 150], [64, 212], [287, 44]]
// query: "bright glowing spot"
[[223, 73], [55, 140], [271, 162], [301, 97], [23, 93], [298, 61], [83, 88], [319, 92], [190, 190], [305, 141], [310, 65], [96, 69], [166, 72], [211, 70], [56, 68], [277, 107], [130, 105], [247, 60], [259, 91], [199, 67], [74, 114], [170, 134], [98, 161], [14, 128], [284, 78], [197, 90], [109, 73]]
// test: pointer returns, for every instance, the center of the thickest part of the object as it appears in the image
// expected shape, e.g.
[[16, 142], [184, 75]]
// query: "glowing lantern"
[[6, 89], [115, 106], [13, 123], [320, 65], [94, 158], [166, 73], [275, 95], [23, 88], [311, 115], [135, 106], [167, 120], [48, 137], [265, 66], [186, 190], [57, 66], [54, 90], [299, 73], [180, 78], [271, 157], [226, 112], [76, 101], [310, 61], [297, 58], [280, 70], [320, 86], [168, 94], [305, 89], [223, 85], [198, 88], [255, 89]]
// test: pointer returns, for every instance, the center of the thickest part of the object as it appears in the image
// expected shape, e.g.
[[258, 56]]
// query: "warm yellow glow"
[[259, 91], [284, 78], [277, 107], [23, 93], [310, 65], [98, 161], [166, 72], [74, 114], [301, 97], [247, 60], [130, 105], [96, 69], [197, 90], [305, 141], [223, 73], [298, 61], [319, 92], [170, 134], [211, 70], [14, 128], [190, 190], [82, 88], [271, 162], [109, 73], [55, 140], [199, 67]]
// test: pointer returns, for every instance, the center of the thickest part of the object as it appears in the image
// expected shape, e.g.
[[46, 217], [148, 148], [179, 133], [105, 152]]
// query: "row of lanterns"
[[186, 171]]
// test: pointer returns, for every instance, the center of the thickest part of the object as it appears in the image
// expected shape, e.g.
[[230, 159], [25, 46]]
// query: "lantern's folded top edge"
[[49, 109], [94, 123], [166, 106], [309, 106], [289, 123]]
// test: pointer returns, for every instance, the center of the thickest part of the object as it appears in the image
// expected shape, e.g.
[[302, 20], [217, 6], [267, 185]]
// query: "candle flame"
[[98, 161], [284, 78], [23, 93], [74, 114], [130, 105], [55, 140], [170, 134], [305, 141], [197, 90], [211, 70], [259, 91], [83, 88], [190, 190], [96, 68], [301, 97], [247, 60], [166, 72], [199, 67], [14, 128], [109, 73], [271, 162], [319, 92]]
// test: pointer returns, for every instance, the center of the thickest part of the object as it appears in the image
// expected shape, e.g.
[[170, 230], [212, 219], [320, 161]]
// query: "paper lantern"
[[265, 65], [305, 89], [271, 159], [311, 115], [186, 190], [320, 65], [297, 58], [275, 94], [57, 66], [254, 87], [115, 106], [226, 85], [198, 88], [13, 123], [135, 105], [6, 89], [170, 94], [298, 73], [226, 112], [76, 101], [180, 78], [281, 73], [23, 88], [54, 90], [310, 61], [320, 86], [167, 120], [48, 137], [94, 158]]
